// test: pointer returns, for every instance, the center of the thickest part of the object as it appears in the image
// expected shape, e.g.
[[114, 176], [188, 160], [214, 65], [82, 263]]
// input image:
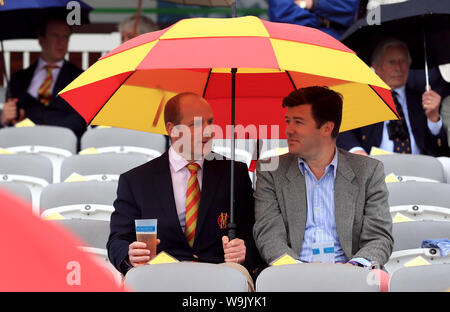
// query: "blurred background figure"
[[32, 91], [129, 29], [330, 16]]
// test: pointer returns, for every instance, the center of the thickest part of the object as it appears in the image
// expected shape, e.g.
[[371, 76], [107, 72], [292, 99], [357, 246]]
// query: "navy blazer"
[[371, 135], [58, 112], [146, 192]]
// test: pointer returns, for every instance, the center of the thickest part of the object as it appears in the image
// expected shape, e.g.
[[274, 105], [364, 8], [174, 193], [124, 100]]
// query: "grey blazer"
[[363, 221]]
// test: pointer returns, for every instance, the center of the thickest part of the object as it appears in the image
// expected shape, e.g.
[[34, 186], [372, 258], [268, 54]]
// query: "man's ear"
[[327, 128], [169, 128]]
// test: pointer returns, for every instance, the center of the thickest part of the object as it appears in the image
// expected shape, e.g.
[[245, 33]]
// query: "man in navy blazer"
[[24, 102], [427, 136], [157, 190]]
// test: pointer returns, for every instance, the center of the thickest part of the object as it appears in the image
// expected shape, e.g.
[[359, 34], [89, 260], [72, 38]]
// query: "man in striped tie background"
[[32, 91], [189, 193]]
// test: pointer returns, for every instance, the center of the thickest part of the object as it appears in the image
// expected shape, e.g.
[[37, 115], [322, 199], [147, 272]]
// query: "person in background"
[[333, 17], [320, 194], [33, 91], [127, 27], [419, 130]]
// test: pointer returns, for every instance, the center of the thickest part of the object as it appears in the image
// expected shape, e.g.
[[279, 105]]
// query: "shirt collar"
[[401, 92], [41, 63], [178, 162], [331, 166]]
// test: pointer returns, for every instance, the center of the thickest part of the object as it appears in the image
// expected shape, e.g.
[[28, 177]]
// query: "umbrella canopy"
[[409, 21], [41, 256], [20, 18], [129, 86]]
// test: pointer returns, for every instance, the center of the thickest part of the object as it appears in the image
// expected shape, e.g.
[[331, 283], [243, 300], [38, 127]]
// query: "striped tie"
[[192, 203], [44, 89]]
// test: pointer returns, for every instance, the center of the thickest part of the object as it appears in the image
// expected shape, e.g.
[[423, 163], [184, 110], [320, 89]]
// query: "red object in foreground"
[[41, 256]]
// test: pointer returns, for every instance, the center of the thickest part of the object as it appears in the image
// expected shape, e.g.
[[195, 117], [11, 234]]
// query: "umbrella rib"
[[292, 80], [207, 81], [112, 96]]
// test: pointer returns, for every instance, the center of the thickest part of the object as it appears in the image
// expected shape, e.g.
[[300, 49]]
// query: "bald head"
[[189, 115]]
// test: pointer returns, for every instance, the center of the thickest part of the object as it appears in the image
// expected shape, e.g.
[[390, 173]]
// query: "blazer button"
[[439, 142], [195, 258], [363, 137]]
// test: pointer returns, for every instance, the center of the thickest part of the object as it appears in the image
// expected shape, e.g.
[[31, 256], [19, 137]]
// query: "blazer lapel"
[[294, 192], [344, 202], [210, 182]]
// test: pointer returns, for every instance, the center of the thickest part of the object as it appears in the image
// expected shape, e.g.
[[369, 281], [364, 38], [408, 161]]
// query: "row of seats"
[[312, 277]]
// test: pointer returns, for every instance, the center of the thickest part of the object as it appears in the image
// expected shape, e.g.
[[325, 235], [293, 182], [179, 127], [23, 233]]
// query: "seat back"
[[422, 193], [83, 200], [100, 164], [18, 189], [186, 277], [118, 137], [273, 147], [315, 277], [34, 171], [409, 235], [420, 166], [92, 233], [51, 136], [425, 278]]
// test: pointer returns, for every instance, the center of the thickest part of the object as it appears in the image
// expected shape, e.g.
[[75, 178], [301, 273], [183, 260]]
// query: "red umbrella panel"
[[41, 256]]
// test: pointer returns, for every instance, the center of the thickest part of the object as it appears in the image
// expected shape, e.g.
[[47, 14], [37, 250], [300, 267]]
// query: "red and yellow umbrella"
[[129, 86]]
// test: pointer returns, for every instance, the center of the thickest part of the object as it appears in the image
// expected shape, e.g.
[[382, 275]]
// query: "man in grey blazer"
[[321, 194]]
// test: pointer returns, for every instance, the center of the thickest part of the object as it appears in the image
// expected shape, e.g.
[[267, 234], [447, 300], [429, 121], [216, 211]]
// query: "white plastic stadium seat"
[[79, 200], [316, 277], [34, 171], [420, 200], [100, 167], [429, 278], [20, 190], [55, 143], [118, 140], [186, 277], [413, 167], [273, 147], [409, 235], [414, 257]]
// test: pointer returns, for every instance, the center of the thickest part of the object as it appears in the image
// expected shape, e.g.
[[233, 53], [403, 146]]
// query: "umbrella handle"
[[232, 230]]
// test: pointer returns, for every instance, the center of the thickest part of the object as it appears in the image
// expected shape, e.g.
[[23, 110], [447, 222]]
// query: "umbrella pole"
[[427, 77], [233, 8], [232, 226]]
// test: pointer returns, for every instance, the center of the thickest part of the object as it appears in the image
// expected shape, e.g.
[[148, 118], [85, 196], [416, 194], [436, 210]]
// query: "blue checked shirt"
[[320, 219]]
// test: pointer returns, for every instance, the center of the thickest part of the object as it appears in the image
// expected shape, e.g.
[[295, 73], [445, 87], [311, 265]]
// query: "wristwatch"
[[302, 4]]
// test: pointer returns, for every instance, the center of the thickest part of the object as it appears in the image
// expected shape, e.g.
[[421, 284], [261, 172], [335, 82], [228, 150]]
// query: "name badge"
[[323, 252]]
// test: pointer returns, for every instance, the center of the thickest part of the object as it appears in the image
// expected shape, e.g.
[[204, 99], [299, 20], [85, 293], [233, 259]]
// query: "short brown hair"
[[172, 110], [326, 105]]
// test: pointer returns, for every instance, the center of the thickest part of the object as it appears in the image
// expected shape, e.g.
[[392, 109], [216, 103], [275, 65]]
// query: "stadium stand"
[[186, 277]]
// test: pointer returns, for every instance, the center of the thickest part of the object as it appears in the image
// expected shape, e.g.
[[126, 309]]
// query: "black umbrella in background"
[[423, 25]]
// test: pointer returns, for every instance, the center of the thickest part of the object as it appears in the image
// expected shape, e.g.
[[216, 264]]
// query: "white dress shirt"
[[180, 176], [39, 76]]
